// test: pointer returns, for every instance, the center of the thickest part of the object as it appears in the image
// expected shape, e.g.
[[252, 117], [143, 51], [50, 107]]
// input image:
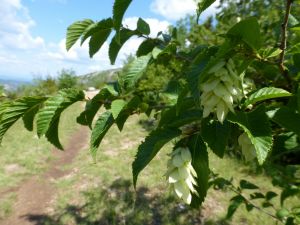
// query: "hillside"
[[98, 78]]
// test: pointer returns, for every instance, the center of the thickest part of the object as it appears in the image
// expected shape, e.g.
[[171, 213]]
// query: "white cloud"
[[15, 27], [24, 55], [176, 9]]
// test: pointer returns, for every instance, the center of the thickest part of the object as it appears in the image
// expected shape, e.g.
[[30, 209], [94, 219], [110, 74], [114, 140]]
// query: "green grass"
[[102, 193], [22, 154], [6, 205]]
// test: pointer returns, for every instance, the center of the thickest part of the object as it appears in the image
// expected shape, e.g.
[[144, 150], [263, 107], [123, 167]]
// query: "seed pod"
[[180, 174], [221, 90]]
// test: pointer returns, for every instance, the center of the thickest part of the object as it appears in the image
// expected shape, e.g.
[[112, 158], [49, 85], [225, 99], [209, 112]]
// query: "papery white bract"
[[181, 174], [221, 90]]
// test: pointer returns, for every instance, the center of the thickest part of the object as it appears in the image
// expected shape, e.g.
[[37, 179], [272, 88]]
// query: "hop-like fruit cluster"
[[181, 174], [221, 90], [248, 148]]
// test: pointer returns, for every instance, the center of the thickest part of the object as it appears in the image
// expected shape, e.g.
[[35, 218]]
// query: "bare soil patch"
[[34, 195]]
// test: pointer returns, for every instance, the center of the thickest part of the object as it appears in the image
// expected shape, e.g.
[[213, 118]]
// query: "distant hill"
[[97, 79], [12, 84]]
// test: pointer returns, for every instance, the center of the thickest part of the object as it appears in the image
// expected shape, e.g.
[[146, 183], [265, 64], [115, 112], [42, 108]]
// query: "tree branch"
[[282, 68]]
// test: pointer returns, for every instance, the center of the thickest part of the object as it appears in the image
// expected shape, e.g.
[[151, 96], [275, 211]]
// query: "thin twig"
[[233, 188], [282, 68]]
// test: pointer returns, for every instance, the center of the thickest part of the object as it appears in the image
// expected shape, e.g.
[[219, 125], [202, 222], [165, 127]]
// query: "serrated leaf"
[[150, 147], [145, 47], [143, 27], [119, 9], [116, 107], [102, 125], [10, 112], [52, 133], [105, 24], [248, 31], [134, 72], [127, 110], [107, 93], [97, 40], [53, 107], [172, 118], [202, 6], [265, 94], [200, 164], [75, 31], [287, 118], [28, 118], [258, 129], [117, 42], [216, 135]]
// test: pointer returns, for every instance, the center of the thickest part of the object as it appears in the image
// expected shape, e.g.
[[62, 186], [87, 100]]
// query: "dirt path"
[[35, 194]]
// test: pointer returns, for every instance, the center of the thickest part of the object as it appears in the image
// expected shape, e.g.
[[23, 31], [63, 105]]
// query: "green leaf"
[[145, 47], [171, 118], [150, 147], [211, 57], [97, 40], [104, 122], [119, 9], [10, 112], [116, 107], [286, 118], [200, 164], [48, 116], [28, 118], [265, 94], [107, 93], [247, 30], [196, 69], [143, 27], [244, 184], [98, 34], [270, 52], [52, 133], [96, 27], [288, 192], [202, 6], [296, 27], [117, 42], [216, 135], [258, 129], [127, 110], [75, 31], [134, 72], [234, 205]]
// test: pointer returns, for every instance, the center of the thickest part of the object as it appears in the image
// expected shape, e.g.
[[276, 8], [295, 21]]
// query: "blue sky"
[[32, 33]]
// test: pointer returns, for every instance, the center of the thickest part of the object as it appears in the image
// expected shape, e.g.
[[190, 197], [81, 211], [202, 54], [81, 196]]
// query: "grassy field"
[[102, 193], [22, 155]]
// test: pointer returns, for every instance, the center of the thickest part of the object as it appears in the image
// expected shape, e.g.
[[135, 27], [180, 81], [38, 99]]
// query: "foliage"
[[233, 76], [66, 79]]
